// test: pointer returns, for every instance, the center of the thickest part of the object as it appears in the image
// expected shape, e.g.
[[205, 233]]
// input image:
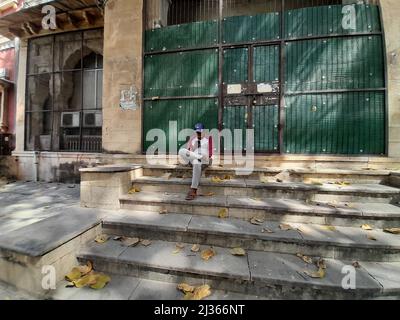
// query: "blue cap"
[[199, 127]]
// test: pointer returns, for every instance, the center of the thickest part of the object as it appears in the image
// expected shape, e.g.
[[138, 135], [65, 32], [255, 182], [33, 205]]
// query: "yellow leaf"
[[145, 243], [209, 194], [102, 238], [86, 280], [305, 258], [84, 270], [285, 227], [317, 274], [223, 213], [392, 230], [75, 274], [366, 227], [208, 254], [238, 252], [228, 177], [342, 183], [134, 190], [185, 288], [265, 179], [101, 281], [257, 221], [195, 248], [199, 293], [130, 242], [216, 180], [329, 228]]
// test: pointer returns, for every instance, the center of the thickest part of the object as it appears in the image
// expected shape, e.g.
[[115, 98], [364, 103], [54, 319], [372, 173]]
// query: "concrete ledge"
[[102, 186]]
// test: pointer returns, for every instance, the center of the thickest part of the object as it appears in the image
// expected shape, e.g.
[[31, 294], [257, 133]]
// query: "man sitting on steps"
[[198, 154]]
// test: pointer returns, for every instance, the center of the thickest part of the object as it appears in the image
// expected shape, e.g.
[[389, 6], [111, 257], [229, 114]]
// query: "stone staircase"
[[313, 213]]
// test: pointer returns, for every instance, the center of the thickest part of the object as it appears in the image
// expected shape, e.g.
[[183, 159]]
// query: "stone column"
[[391, 14], [20, 105], [122, 129]]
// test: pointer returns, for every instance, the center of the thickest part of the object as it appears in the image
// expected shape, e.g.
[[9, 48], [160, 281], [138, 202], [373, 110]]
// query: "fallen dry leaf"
[[321, 264], [207, 254], [185, 288], [392, 230], [265, 179], [134, 190], [257, 221], [101, 281], [209, 194], [199, 293], [118, 238], [130, 242], [329, 228], [366, 227], [195, 248], [369, 237], [84, 270], [102, 238], [216, 179], [306, 259], [317, 274], [145, 243], [238, 252], [178, 248], [75, 274], [227, 177], [164, 211], [285, 227], [266, 230], [343, 183], [223, 213]]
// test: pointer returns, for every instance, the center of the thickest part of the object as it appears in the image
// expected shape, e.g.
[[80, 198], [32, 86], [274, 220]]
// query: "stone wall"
[[391, 16], [122, 129]]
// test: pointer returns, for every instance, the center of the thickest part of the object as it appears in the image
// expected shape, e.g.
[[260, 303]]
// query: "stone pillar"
[[391, 14], [122, 129], [20, 105]]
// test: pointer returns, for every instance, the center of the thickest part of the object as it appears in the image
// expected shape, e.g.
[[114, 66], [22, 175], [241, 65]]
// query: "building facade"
[[317, 81]]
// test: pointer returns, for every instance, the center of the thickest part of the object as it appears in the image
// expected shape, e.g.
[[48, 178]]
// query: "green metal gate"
[[302, 81]]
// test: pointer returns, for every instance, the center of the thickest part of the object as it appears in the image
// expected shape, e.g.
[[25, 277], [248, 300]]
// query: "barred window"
[[64, 92]]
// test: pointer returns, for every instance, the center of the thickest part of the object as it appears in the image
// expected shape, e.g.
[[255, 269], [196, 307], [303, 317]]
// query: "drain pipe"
[[36, 166]]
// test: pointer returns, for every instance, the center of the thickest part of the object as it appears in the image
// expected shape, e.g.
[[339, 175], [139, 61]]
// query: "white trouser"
[[193, 158]]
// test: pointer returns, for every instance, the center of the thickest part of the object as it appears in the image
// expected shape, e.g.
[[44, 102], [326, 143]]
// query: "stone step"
[[380, 215], [297, 174], [315, 240], [271, 275], [134, 288], [294, 190]]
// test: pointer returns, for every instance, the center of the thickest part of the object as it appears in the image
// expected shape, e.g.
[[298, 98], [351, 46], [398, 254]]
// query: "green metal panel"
[[251, 28], [187, 112], [327, 20], [190, 35], [235, 117], [335, 63], [266, 63], [236, 65], [191, 73], [266, 133], [348, 123]]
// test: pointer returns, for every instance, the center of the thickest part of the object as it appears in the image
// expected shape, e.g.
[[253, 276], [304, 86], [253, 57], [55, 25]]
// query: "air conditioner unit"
[[3, 73], [92, 119], [70, 120]]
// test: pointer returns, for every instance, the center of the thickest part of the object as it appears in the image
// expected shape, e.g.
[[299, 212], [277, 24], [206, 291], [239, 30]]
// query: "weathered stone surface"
[[41, 237], [159, 255], [387, 274], [149, 220], [285, 269]]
